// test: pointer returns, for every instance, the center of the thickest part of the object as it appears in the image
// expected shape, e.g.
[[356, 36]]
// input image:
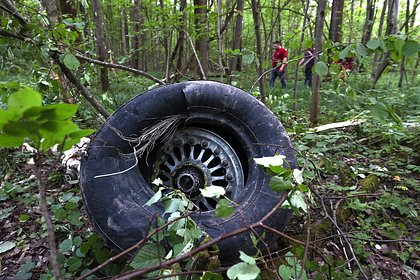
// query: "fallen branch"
[[337, 125], [85, 92], [119, 66]]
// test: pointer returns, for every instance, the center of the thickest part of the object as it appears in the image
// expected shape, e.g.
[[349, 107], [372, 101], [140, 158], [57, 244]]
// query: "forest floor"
[[362, 216]]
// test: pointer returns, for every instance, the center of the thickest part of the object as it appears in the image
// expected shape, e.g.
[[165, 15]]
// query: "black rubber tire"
[[115, 204]]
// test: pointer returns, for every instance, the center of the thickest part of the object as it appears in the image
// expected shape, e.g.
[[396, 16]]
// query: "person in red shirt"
[[279, 64]]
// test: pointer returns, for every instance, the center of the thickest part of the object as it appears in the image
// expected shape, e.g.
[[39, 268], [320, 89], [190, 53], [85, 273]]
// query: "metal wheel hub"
[[196, 158]]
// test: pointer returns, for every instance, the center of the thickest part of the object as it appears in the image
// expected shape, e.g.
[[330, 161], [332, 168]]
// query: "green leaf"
[[149, 255], [10, 141], [279, 184], [23, 100], [379, 111], [58, 112], [276, 160], [6, 246], [71, 61], [321, 68], [213, 191], [74, 264], [373, 44], [285, 272], [23, 218], [7, 116], [361, 50], [244, 257], [410, 48], [74, 137], [175, 204], [24, 271], [21, 129], [155, 198], [248, 58], [211, 276], [344, 53], [223, 209], [66, 245], [243, 271]]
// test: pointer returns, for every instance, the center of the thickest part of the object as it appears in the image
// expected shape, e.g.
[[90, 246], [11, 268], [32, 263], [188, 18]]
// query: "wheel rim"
[[197, 158]]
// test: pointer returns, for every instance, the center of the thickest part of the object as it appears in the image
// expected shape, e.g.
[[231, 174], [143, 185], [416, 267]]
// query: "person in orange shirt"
[[279, 64]]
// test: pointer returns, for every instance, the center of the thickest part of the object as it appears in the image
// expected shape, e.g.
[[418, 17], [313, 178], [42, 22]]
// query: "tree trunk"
[[336, 22], [370, 13], [100, 43], [51, 7], [220, 38], [391, 28], [135, 41], [302, 38], [256, 15], [237, 37], [200, 12], [381, 24], [316, 79], [402, 66], [181, 40], [124, 32]]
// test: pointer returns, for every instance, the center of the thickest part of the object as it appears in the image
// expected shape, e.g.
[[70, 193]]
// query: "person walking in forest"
[[308, 61], [279, 64]]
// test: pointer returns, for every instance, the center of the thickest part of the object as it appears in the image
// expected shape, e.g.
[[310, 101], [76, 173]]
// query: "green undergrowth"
[[366, 174]]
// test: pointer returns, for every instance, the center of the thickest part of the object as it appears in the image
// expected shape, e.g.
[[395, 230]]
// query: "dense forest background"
[[357, 218]]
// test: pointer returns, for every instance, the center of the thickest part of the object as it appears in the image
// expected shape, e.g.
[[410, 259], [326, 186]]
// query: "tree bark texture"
[[255, 5], [51, 8], [391, 28], [336, 23], [201, 43], [302, 38], [100, 42], [369, 21], [316, 79], [135, 41], [237, 36]]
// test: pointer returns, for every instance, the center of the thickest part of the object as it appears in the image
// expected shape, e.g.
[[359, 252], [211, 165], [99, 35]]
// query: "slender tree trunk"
[[402, 66], [181, 41], [316, 79], [351, 20], [100, 42], [237, 37], [200, 11], [51, 7], [135, 41], [124, 32], [166, 41], [255, 5], [220, 38], [302, 37], [391, 28], [370, 13], [381, 24], [336, 22]]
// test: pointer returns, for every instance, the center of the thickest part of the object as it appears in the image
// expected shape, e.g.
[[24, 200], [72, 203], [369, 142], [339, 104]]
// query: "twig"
[[341, 233], [196, 55], [308, 234], [132, 248], [354, 195], [85, 92], [121, 67], [46, 214], [204, 246]]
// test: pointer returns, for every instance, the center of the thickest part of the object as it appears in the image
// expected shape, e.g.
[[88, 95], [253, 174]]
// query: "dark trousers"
[[308, 77], [277, 73]]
